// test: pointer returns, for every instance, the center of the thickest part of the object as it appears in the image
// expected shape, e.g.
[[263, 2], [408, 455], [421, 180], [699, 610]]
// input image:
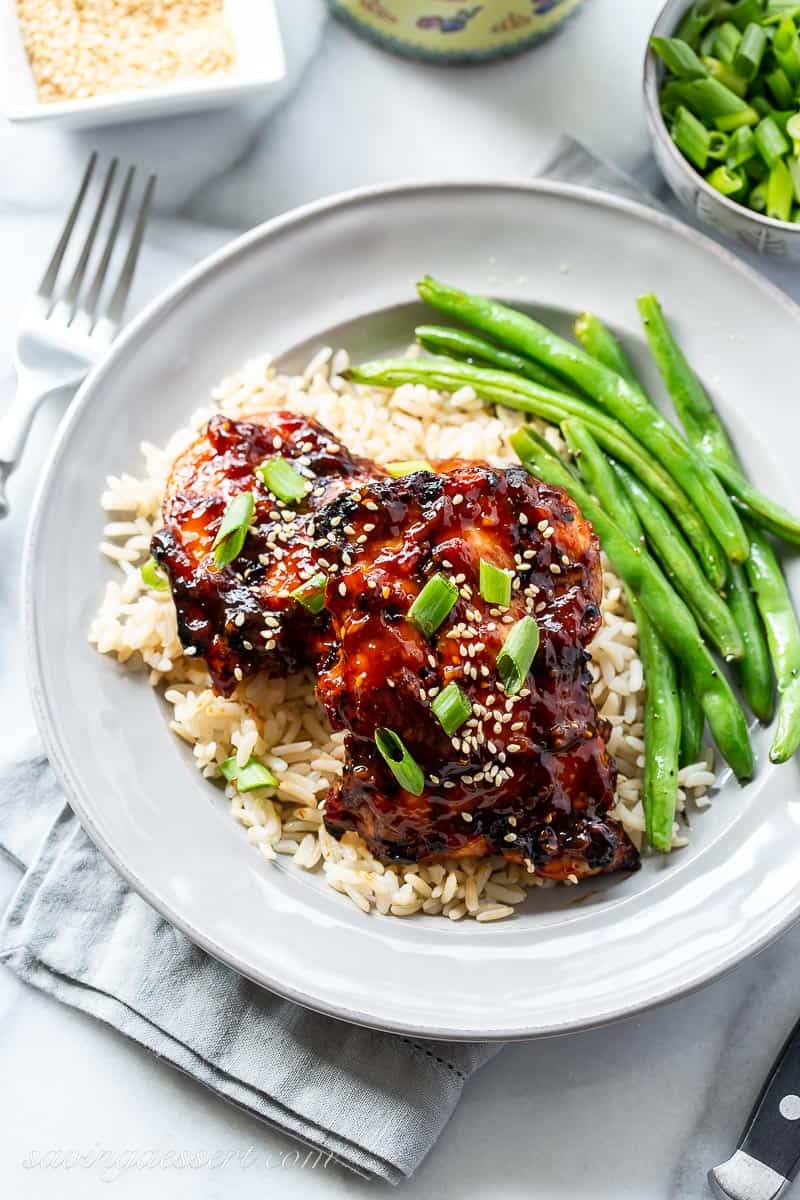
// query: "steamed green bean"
[[502, 388], [671, 617], [611, 392]]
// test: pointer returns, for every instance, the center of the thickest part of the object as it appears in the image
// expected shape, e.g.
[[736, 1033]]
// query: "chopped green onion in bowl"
[[282, 479], [451, 708], [311, 594], [400, 762], [517, 654], [495, 584], [433, 604], [254, 774], [154, 576], [735, 70], [232, 532]]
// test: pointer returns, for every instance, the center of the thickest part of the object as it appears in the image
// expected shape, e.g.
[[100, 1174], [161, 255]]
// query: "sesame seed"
[[342, 588], [555, 568], [523, 518], [465, 816]]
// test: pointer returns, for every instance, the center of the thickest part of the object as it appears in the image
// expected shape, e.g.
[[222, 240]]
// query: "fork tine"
[[45, 289], [93, 295], [70, 297], [116, 306]]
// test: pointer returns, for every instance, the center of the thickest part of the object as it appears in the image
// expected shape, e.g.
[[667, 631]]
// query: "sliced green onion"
[[409, 467], [727, 122], [778, 83], [724, 74], [714, 103], [727, 182], [154, 576], [451, 708], [757, 200], [718, 144], [793, 131], [405, 769], [706, 46], [311, 594], [741, 147], [780, 192], [282, 479], [678, 56], [433, 604], [697, 18], [786, 48], [794, 171], [233, 530], [726, 42], [691, 137], [517, 654], [750, 51], [254, 774], [772, 145], [495, 584]]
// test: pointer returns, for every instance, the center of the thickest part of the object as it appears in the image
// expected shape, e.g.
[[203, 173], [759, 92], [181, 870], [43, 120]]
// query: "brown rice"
[[280, 720]]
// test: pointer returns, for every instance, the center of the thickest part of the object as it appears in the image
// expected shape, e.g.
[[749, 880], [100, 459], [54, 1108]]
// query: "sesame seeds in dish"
[[278, 720]]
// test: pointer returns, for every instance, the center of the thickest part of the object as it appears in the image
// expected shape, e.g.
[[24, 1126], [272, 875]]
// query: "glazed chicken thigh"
[[527, 775], [242, 618]]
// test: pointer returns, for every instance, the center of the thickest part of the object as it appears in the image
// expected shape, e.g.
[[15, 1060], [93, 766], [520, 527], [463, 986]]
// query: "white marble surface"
[[636, 1111]]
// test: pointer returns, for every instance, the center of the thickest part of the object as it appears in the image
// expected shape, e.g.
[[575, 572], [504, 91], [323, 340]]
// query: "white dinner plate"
[[342, 272]]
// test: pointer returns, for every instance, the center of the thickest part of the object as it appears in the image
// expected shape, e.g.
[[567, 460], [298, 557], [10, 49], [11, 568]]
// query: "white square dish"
[[259, 65]]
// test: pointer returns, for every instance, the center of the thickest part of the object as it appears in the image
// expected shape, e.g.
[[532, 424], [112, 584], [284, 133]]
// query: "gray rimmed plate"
[[342, 271]]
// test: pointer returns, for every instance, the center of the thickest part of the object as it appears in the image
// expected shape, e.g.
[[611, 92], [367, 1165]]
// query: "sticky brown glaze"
[[528, 777], [241, 618]]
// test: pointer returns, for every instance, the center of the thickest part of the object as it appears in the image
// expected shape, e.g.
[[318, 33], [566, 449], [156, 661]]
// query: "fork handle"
[[15, 426]]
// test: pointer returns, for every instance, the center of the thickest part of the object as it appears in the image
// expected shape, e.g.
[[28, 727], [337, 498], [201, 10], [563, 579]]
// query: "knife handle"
[[772, 1134]]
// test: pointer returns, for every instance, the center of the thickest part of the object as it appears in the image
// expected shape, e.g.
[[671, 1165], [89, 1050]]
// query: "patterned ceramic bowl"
[[750, 229], [455, 30]]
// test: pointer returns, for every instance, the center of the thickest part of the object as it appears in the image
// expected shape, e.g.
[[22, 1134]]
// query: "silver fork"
[[66, 329]]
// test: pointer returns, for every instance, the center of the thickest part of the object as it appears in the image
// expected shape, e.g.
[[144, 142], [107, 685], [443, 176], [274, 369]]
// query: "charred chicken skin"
[[527, 776]]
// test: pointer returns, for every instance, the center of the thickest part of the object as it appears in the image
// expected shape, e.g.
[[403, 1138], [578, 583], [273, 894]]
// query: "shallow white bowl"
[[259, 65], [342, 271]]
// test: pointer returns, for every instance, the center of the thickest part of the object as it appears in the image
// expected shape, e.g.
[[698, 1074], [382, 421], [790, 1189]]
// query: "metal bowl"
[[750, 229]]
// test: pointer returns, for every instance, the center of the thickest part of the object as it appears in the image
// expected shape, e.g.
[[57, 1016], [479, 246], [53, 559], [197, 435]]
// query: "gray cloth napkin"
[[74, 929]]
